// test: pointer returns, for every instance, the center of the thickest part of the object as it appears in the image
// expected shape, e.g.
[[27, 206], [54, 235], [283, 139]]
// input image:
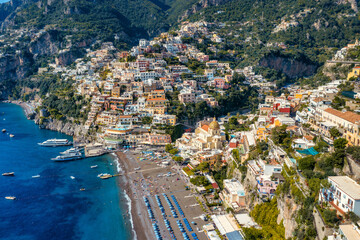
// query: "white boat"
[[68, 157], [12, 135], [94, 166], [55, 143], [10, 198], [72, 177], [104, 175], [4, 130], [70, 150], [8, 174], [36, 176]]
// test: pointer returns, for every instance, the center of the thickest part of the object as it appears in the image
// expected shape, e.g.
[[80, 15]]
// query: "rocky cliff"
[[290, 67], [288, 209], [15, 66], [202, 4], [78, 131]]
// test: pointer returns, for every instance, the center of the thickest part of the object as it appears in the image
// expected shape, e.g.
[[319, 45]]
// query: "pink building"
[[157, 139], [221, 83]]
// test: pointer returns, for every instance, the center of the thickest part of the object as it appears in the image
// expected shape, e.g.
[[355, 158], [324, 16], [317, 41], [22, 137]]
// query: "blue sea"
[[52, 206]]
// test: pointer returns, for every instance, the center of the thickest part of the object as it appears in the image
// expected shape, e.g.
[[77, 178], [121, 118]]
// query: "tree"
[[177, 158], [279, 134], [334, 132], [307, 163], [146, 120]]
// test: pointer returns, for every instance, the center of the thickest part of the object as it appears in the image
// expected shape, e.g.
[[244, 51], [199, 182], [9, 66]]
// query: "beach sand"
[[142, 226], [151, 179]]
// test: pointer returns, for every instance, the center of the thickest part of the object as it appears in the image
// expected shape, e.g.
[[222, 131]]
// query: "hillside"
[[310, 29]]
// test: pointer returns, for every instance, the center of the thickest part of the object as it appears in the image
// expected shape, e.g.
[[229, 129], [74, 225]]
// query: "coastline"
[[141, 226]]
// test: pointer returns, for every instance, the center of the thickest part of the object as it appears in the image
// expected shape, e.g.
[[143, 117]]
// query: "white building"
[[344, 194]]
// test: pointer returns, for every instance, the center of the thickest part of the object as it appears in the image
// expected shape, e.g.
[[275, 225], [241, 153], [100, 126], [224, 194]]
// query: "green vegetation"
[[265, 214]]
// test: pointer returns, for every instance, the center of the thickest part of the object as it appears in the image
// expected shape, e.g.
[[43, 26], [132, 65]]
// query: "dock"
[[95, 150]]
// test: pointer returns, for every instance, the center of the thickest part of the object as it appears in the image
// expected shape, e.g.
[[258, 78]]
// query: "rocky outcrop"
[[76, 130], [46, 44], [67, 57], [202, 4], [352, 168], [292, 68], [336, 70], [288, 209], [15, 66]]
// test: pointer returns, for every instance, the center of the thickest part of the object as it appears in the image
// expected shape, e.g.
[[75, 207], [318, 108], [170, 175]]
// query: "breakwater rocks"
[[72, 129]]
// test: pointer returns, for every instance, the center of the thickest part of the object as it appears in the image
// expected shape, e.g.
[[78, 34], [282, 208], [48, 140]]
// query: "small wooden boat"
[[8, 174], [104, 175]]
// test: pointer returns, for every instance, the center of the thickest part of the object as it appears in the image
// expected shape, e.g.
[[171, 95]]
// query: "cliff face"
[[46, 44], [78, 131], [290, 67], [288, 209], [15, 66], [202, 4]]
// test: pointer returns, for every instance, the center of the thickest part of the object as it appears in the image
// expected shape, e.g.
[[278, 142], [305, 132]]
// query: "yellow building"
[[355, 72], [348, 122], [209, 136]]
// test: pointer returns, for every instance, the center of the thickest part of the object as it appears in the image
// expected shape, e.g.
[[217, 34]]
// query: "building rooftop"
[[350, 232], [234, 187], [348, 116], [346, 184]]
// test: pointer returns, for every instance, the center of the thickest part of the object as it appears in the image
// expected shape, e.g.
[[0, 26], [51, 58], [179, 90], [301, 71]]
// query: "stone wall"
[[322, 230]]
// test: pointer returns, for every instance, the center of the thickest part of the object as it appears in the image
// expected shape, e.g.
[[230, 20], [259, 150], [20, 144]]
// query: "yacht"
[[68, 157], [8, 174], [55, 143], [70, 150]]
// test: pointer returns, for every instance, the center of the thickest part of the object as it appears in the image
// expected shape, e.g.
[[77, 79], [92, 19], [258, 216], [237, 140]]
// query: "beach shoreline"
[[141, 226], [28, 109]]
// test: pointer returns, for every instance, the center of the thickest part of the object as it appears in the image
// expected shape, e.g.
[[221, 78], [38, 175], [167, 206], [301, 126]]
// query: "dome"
[[214, 125]]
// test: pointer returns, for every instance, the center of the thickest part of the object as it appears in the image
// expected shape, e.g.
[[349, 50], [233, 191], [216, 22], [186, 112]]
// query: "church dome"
[[214, 125]]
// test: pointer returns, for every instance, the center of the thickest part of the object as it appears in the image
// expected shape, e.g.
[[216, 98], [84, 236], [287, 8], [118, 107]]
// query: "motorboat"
[[36, 176], [68, 157], [4, 130], [10, 198], [104, 175], [55, 143], [9, 174], [94, 166], [12, 135], [72, 177]]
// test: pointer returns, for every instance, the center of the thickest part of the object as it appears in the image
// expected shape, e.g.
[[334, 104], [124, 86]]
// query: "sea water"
[[52, 206]]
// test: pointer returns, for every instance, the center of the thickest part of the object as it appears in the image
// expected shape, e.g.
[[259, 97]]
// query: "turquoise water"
[[52, 206]]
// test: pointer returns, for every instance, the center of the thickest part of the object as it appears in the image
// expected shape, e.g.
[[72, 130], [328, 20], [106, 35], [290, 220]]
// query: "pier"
[[94, 150]]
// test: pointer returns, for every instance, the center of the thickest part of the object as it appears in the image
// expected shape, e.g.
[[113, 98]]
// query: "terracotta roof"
[[348, 116], [205, 127], [157, 99], [308, 137]]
